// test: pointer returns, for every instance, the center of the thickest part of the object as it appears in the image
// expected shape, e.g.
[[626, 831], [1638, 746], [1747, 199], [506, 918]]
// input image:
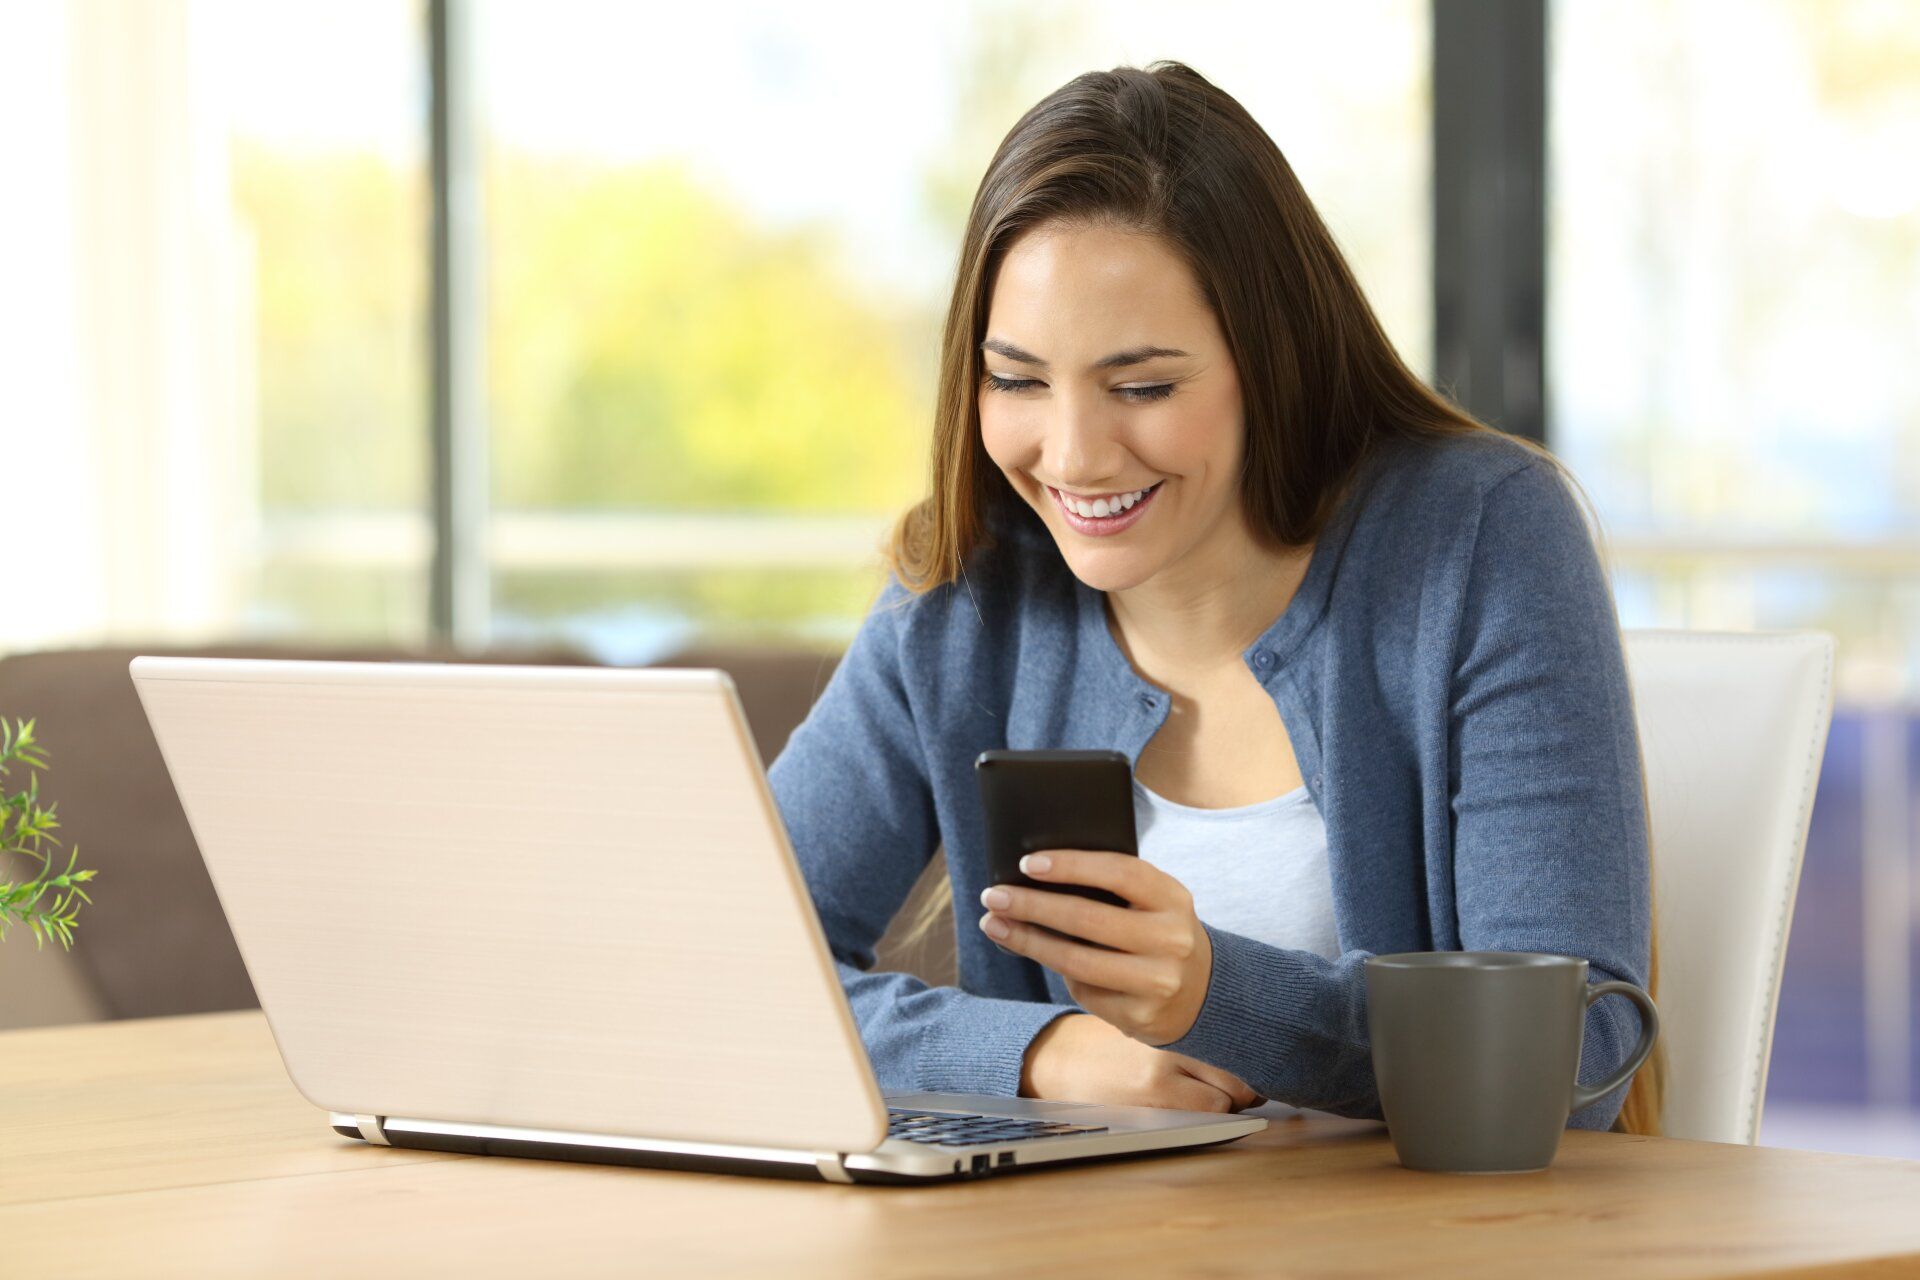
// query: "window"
[[1735, 263], [218, 424], [329, 206], [1735, 254], [715, 283]]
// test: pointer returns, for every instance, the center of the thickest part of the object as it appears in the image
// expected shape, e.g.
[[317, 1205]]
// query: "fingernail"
[[996, 898], [995, 926], [1036, 863]]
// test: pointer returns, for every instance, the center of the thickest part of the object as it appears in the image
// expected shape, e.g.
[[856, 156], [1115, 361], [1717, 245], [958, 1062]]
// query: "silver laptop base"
[[895, 1162]]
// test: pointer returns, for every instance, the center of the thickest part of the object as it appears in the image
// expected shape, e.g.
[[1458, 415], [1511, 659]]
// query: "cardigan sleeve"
[[1548, 821], [853, 790]]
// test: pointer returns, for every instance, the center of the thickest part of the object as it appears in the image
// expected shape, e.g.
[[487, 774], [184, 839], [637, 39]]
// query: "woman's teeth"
[[1102, 506]]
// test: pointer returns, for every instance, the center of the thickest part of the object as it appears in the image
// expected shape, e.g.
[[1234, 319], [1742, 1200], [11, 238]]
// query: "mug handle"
[[1649, 1032]]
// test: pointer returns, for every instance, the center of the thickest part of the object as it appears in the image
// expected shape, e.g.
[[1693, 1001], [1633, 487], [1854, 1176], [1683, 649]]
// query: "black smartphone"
[[1055, 800]]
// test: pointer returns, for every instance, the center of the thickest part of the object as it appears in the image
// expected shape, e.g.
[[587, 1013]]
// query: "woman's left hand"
[[1152, 984]]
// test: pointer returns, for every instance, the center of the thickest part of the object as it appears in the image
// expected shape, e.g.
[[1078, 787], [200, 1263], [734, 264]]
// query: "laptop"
[[553, 912]]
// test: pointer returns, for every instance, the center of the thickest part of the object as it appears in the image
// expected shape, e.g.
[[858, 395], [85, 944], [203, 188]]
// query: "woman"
[[1188, 503]]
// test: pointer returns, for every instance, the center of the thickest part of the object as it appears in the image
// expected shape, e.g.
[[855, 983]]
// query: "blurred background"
[[613, 327]]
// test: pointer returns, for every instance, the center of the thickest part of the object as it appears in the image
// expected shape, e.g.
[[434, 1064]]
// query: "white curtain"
[[127, 475]]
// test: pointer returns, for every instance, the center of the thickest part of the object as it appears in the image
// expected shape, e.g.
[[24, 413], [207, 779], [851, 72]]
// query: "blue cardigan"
[[1451, 675]]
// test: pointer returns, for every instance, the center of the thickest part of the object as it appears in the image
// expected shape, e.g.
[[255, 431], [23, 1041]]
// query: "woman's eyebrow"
[[1119, 359]]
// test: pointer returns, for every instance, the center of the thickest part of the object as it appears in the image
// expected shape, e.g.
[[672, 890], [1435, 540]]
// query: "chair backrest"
[[1733, 728]]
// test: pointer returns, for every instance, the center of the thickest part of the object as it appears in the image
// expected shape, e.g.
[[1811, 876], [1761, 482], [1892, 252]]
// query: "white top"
[[1258, 870]]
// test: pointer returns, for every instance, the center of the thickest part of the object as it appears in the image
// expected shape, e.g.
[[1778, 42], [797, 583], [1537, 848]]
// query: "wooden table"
[[177, 1146]]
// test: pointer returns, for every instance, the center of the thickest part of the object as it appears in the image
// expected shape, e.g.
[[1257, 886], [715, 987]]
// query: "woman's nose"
[[1080, 449]]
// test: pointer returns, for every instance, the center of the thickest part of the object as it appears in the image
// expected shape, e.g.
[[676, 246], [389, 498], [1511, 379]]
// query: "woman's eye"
[[998, 383], [1139, 395]]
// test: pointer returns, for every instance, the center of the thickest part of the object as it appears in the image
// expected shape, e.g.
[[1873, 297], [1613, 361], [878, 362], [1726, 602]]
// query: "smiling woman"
[[1188, 503], [1083, 438]]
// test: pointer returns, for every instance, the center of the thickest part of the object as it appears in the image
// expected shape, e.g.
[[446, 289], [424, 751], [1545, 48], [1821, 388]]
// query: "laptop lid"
[[552, 897]]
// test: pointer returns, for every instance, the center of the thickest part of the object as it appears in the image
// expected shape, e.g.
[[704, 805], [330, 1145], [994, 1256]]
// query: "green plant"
[[32, 828]]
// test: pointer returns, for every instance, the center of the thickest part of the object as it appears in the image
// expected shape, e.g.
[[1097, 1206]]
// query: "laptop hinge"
[[370, 1129], [830, 1166]]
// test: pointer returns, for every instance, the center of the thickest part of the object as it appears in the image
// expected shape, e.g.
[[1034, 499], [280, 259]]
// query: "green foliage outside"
[[339, 291], [651, 348], [652, 344]]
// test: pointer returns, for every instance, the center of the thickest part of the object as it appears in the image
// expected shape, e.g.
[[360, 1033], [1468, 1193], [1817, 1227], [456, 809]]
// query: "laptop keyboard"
[[965, 1129]]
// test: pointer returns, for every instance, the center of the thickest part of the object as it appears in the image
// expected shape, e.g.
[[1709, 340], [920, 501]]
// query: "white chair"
[[1733, 727]]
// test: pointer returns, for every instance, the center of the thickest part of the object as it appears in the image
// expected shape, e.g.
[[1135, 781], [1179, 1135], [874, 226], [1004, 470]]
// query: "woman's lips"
[[1104, 526]]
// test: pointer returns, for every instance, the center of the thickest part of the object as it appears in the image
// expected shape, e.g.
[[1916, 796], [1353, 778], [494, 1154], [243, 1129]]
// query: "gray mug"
[[1477, 1054]]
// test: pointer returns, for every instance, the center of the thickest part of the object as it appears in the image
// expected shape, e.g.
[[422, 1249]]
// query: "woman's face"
[[1105, 375]]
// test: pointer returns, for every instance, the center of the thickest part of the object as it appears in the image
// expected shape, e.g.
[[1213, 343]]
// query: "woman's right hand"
[[1083, 1058]]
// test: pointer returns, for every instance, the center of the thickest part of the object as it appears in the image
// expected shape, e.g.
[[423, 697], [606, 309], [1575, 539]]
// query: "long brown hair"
[[1162, 151]]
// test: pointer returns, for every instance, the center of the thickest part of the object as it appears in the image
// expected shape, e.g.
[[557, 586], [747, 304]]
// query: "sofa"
[[154, 941]]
